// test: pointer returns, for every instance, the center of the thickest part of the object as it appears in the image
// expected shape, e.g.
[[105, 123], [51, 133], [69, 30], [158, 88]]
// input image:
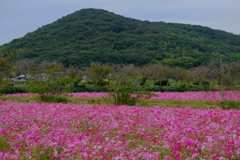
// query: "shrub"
[[122, 95], [47, 90], [60, 99], [167, 89], [11, 90], [182, 88], [203, 83], [155, 89], [162, 83], [54, 99], [102, 83], [128, 94], [83, 88]]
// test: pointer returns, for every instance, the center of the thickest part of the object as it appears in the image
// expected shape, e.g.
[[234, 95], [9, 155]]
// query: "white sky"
[[18, 17]]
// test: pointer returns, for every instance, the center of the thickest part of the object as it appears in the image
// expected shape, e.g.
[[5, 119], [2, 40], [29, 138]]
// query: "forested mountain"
[[95, 35]]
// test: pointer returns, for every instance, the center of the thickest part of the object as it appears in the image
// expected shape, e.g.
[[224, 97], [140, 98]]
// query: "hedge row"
[[83, 88], [182, 88], [11, 89]]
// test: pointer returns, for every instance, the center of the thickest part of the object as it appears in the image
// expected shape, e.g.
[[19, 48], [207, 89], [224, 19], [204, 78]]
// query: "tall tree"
[[224, 75], [25, 66], [99, 73], [178, 74], [5, 70], [47, 65], [145, 74], [76, 75], [200, 74]]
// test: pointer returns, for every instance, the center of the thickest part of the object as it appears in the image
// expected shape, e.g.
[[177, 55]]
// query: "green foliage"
[[47, 90], [231, 105], [55, 99], [99, 73], [5, 71], [52, 71], [95, 35], [203, 83], [11, 89], [184, 62], [122, 95], [102, 82], [127, 94], [104, 100], [84, 88], [162, 83], [34, 72], [4, 146], [182, 88]]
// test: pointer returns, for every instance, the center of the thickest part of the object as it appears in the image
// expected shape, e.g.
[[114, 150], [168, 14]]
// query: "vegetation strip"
[[208, 95]]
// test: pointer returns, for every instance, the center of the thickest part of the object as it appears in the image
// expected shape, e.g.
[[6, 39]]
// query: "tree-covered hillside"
[[95, 35]]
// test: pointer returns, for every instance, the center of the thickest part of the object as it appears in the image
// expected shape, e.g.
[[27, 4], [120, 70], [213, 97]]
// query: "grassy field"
[[194, 103]]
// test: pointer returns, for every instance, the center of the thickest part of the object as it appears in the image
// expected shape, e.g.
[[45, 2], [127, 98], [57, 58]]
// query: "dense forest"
[[95, 35]]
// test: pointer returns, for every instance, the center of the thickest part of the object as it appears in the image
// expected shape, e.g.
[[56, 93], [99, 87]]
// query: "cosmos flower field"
[[100, 131]]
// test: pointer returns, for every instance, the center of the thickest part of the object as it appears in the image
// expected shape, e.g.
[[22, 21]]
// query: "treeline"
[[101, 75], [50, 79], [95, 35]]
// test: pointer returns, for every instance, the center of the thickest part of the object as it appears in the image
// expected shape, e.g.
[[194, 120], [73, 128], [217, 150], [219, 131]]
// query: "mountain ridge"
[[96, 35]]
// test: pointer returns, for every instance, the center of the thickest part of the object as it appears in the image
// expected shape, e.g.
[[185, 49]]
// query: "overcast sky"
[[18, 17]]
